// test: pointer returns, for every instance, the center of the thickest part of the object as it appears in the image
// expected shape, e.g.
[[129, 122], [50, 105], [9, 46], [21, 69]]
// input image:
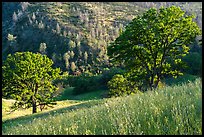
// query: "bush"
[[84, 83], [108, 75], [88, 82], [120, 86]]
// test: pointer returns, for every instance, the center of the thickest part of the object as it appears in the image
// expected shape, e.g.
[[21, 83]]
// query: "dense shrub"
[[108, 75], [120, 86], [84, 83], [88, 82]]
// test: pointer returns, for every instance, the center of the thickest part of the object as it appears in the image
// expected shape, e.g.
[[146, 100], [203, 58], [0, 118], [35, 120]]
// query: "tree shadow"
[[30, 118], [68, 94]]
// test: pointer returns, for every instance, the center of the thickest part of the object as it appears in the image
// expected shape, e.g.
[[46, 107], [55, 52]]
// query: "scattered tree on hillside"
[[15, 18], [41, 25], [24, 5], [43, 48], [10, 37], [30, 21], [58, 29], [72, 54], [85, 56], [66, 58], [33, 16], [73, 66], [28, 78], [64, 33], [12, 42], [20, 13], [153, 42], [72, 44]]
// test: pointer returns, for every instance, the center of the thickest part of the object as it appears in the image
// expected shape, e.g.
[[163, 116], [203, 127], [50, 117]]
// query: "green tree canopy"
[[120, 86], [28, 78], [153, 42]]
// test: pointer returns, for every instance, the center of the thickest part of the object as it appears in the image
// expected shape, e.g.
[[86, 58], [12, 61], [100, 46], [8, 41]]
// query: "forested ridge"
[[74, 35]]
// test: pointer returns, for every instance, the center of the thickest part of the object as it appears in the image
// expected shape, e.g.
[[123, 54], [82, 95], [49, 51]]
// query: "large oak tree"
[[154, 42], [28, 78]]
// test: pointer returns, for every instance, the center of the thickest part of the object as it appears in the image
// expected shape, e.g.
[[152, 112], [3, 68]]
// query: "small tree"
[[72, 44], [12, 42], [73, 66], [120, 86], [85, 56], [42, 48], [24, 5], [27, 78], [72, 54], [15, 18], [33, 16], [10, 37], [58, 29], [153, 42], [41, 25], [66, 58]]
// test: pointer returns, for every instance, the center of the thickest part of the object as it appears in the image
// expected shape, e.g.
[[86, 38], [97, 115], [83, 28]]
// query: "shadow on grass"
[[91, 95], [29, 118]]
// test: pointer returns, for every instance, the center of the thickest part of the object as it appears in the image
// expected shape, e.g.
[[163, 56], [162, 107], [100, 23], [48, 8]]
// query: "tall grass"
[[171, 110]]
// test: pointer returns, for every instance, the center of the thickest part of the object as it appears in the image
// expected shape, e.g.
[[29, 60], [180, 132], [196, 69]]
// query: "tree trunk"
[[156, 84], [34, 106], [34, 103], [151, 84]]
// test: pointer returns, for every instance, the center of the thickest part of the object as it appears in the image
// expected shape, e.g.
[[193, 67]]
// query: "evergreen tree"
[[33, 16], [15, 18], [72, 54], [72, 44], [85, 56], [66, 58], [43, 48], [58, 29], [73, 66]]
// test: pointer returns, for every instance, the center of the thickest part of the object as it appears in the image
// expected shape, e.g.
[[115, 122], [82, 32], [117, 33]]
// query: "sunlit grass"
[[170, 110], [7, 114]]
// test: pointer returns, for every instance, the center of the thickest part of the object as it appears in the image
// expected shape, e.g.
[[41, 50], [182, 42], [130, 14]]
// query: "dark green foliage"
[[194, 63], [88, 82], [120, 86], [84, 83], [186, 78], [108, 74], [27, 78], [154, 42]]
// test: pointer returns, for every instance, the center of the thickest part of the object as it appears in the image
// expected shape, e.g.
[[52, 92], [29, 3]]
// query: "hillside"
[[175, 110], [74, 35]]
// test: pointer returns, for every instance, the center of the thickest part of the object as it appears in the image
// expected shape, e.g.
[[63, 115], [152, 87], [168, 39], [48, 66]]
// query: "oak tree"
[[153, 42], [28, 78]]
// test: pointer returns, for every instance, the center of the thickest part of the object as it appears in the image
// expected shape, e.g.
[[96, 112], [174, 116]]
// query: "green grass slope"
[[170, 110], [67, 94]]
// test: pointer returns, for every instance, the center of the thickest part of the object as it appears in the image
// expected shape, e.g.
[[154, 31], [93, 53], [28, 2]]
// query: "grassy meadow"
[[172, 110], [94, 63]]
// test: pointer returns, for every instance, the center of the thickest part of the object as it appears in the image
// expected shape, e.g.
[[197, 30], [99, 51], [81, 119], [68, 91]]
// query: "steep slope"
[[168, 111], [75, 34]]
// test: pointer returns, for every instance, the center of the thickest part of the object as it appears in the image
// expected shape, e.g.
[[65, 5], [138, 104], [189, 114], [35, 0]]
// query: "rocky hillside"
[[74, 35]]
